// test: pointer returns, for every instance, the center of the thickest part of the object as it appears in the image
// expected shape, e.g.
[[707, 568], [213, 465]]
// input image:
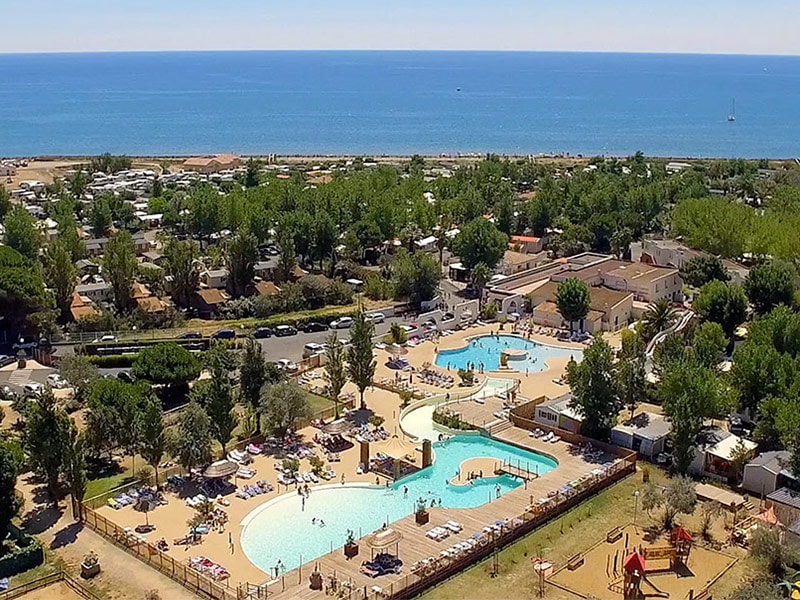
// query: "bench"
[[613, 535], [574, 562]]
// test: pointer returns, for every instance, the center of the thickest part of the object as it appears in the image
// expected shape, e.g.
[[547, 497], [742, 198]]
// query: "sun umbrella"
[[220, 469]]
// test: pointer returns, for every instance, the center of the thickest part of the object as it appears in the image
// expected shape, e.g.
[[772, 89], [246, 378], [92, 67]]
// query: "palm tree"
[[658, 317], [481, 274]]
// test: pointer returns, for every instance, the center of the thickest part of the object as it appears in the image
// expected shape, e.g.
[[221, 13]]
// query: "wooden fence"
[[46, 581]]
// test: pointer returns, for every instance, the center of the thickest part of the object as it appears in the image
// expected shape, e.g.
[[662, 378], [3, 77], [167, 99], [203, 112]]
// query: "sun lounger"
[[453, 526]]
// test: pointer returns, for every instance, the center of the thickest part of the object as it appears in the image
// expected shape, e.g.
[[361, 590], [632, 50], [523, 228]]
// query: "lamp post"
[[635, 506]]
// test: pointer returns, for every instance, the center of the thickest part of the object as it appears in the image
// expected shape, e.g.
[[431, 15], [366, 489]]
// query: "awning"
[[220, 469], [383, 538], [395, 447]]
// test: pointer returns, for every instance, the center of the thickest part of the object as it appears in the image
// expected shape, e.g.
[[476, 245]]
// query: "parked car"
[[377, 317], [313, 326], [126, 376], [262, 332], [342, 323], [32, 389], [55, 381], [285, 330], [6, 360], [224, 334], [313, 349], [105, 338], [191, 335], [287, 365]]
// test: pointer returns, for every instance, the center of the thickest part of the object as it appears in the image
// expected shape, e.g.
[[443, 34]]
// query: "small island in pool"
[[524, 355]]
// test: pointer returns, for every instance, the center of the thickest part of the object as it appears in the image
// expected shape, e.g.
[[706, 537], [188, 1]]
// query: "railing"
[[46, 581]]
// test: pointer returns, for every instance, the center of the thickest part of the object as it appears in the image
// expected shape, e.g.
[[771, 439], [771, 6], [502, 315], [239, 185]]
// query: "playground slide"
[[659, 593]]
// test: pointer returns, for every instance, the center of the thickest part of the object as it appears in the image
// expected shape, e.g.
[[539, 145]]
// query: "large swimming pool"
[[486, 349], [282, 529]]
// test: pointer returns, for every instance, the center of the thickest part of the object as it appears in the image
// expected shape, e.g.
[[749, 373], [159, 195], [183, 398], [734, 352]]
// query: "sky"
[[687, 26]]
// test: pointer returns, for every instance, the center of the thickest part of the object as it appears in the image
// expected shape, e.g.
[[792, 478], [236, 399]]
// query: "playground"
[[630, 565]]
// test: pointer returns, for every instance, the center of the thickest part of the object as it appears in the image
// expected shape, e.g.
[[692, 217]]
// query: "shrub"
[[113, 361], [489, 311], [467, 376], [22, 554]]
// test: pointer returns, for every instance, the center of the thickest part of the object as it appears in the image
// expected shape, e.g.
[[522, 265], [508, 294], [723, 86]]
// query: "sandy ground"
[[57, 591], [224, 547]]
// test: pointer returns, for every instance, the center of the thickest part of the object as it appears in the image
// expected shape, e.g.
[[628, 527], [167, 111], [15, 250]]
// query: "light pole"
[[635, 506]]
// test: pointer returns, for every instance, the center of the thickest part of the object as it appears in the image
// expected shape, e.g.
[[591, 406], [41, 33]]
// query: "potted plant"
[[90, 565], [350, 546], [421, 515]]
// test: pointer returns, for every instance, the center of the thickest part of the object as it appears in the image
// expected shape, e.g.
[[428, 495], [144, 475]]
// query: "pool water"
[[283, 530], [486, 349]]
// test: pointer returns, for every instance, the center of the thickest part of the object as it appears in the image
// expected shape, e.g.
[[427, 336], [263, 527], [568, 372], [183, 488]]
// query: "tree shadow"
[[68, 535], [41, 519]]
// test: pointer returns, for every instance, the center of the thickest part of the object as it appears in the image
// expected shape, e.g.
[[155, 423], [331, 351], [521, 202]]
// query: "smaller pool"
[[526, 356]]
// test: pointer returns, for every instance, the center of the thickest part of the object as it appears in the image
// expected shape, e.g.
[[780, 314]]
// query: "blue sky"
[[706, 26]]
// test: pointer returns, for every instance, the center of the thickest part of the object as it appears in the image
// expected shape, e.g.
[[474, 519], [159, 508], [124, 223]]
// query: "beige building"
[[609, 310], [648, 283], [212, 164], [516, 262]]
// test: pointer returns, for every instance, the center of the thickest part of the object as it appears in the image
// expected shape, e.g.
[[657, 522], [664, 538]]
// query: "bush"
[[22, 553], [323, 315], [113, 361], [450, 420], [489, 311]]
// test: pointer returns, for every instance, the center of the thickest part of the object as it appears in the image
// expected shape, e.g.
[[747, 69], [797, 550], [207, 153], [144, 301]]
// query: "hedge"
[[323, 315], [25, 554], [113, 361]]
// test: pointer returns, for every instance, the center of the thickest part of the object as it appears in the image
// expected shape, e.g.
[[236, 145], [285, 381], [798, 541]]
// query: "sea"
[[399, 103]]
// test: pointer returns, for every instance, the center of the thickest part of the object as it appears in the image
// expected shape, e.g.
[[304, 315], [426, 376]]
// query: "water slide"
[[682, 322]]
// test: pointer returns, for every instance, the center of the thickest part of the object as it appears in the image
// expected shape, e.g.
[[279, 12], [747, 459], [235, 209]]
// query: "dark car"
[[191, 335], [126, 376], [284, 330], [314, 326], [262, 332], [224, 334]]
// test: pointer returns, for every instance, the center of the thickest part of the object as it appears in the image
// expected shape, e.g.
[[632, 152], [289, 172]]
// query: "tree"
[[166, 364], [335, 368], [252, 373], [573, 299], [360, 361], [629, 371], [5, 203], [658, 316], [770, 284], [480, 276], [709, 343], [112, 411], [282, 404], [100, 217], [182, 266], [594, 394], [679, 498], [787, 423], [79, 373], [251, 174], [703, 269], [760, 588], [45, 438], [288, 255], [151, 433], [216, 397], [758, 372], [22, 292], [772, 551], [479, 241], [75, 467], [9, 503], [416, 276], [723, 304], [621, 242], [119, 265], [193, 443], [241, 254], [22, 234], [60, 272]]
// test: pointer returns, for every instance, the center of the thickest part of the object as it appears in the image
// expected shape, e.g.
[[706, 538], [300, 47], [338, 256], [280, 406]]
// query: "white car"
[[56, 381], [105, 338], [312, 349], [408, 328], [32, 389], [378, 317], [287, 365], [342, 323]]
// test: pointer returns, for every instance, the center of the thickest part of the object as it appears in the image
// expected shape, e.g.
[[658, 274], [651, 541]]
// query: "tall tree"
[[75, 467], [9, 503], [100, 217], [79, 373], [573, 299], [5, 202], [723, 304], [252, 373], [593, 390], [182, 265], [360, 361], [416, 276], [479, 241], [151, 433], [251, 174], [629, 371], [708, 344], [166, 364], [703, 269], [770, 284], [288, 254], [479, 277], [282, 404], [335, 368], [119, 265], [22, 233], [241, 254], [61, 273], [193, 443], [216, 397], [45, 438]]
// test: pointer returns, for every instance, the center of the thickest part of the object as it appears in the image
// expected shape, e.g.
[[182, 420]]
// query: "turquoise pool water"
[[282, 529], [486, 349]]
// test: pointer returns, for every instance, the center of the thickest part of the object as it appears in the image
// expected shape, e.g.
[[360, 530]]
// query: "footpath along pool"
[[529, 357], [282, 529]]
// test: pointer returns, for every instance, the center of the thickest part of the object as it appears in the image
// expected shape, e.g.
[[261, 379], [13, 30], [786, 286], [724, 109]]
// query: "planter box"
[[422, 518], [89, 571], [350, 550]]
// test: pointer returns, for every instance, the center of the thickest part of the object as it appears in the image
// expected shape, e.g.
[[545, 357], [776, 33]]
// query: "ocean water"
[[398, 103]]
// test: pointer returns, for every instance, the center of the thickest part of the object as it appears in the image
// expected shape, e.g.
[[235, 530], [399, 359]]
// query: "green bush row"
[[323, 315], [112, 361], [24, 554]]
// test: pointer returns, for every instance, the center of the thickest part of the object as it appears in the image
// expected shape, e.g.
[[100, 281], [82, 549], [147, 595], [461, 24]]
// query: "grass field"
[[557, 541]]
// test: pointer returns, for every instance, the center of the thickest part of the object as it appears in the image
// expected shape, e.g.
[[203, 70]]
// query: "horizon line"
[[395, 50]]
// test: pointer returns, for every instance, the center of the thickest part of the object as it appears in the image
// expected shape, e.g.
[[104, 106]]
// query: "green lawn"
[[96, 487], [318, 403], [557, 541]]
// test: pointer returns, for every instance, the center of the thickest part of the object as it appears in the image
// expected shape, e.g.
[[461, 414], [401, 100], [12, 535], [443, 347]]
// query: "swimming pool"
[[282, 529], [486, 349]]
